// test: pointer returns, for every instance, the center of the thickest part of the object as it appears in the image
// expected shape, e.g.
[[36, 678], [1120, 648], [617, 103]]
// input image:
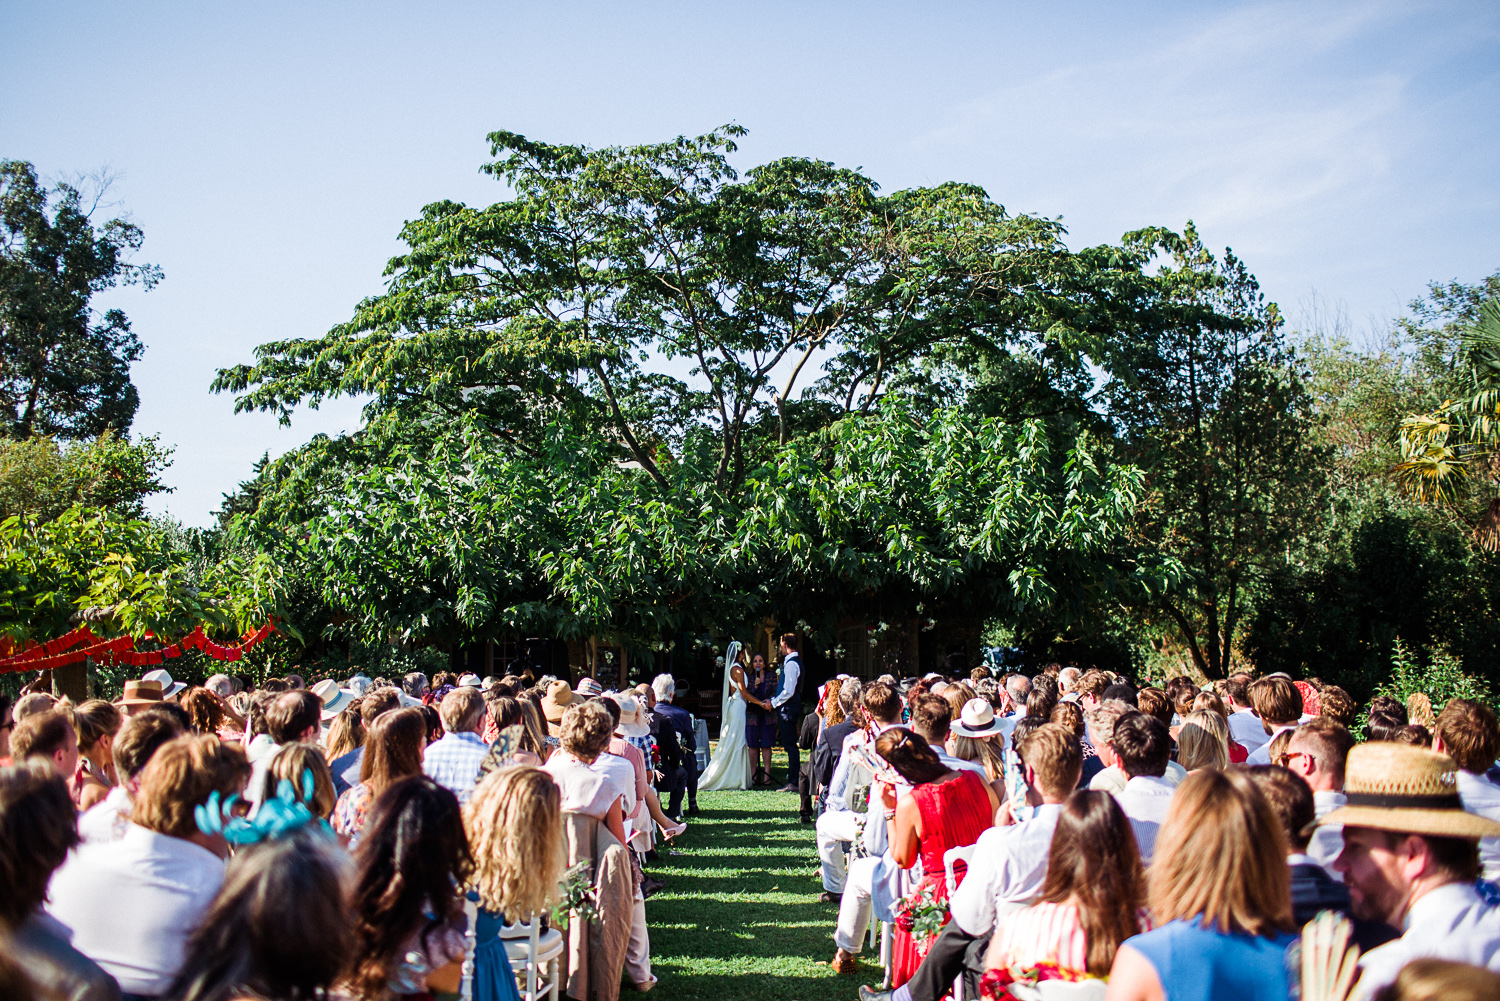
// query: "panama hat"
[[632, 718], [557, 700], [169, 687], [977, 720], [469, 681], [1410, 790], [140, 693], [334, 698]]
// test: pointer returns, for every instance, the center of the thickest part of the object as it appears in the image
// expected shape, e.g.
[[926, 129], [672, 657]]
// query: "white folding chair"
[[527, 944], [952, 856]]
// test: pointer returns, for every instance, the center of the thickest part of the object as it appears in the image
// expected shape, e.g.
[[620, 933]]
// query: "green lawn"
[[740, 916]]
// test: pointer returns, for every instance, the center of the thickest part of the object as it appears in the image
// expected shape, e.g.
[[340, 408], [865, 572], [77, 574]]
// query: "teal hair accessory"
[[276, 818]]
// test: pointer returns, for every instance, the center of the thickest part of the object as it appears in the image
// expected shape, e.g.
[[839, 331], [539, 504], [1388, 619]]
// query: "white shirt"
[[1112, 779], [260, 754], [1246, 730], [131, 904], [1262, 755], [107, 820], [1482, 797], [959, 764], [1327, 841], [1450, 922], [1005, 871], [622, 774], [791, 671], [1145, 800]]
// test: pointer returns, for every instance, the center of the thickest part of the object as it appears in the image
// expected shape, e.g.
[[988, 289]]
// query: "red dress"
[[954, 813]]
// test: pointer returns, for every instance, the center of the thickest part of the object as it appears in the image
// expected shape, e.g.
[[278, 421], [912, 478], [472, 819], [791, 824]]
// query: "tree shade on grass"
[[740, 916]]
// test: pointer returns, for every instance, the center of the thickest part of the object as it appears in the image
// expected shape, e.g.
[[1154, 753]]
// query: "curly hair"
[[514, 823]]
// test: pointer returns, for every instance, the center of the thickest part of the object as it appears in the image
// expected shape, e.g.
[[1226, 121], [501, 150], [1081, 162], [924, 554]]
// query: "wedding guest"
[[1335, 704], [839, 825], [1313, 888], [133, 903], [1212, 702], [514, 825], [930, 719], [376, 702], [293, 763], [1141, 744], [945, 809], [825, 757], [1387, 716], [203, 709], [291, 716], [1316, 754], [1203, 741], [95, 723], [279, 926], [138, 739], [345, 733], [453, 761], [393, 751], [595, 792], [1441, 980], [1005, 871], [1092, 899], [408, 916], [1245, 728], [665, 690], [1467, 732], [49, 737], [1411, 859], [1278, 703], [1219, 892], [1101, 722], [558, 698], [36, 834]]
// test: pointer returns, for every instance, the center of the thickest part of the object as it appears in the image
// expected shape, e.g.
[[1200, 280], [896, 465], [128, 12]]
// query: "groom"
[[788, 705]]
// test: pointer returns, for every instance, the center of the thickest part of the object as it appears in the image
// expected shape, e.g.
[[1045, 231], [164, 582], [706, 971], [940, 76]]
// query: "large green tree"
[[644, 391], [64, 367], [1211, 404]]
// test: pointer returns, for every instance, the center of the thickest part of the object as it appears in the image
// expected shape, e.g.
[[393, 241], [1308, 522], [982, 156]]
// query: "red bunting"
[[60, 652]]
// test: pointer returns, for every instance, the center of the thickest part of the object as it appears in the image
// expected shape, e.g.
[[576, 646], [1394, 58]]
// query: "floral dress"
[[1045, 941], [350, 810]]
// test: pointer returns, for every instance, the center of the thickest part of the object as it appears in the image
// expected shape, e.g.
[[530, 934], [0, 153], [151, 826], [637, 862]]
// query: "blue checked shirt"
[[453, 762]]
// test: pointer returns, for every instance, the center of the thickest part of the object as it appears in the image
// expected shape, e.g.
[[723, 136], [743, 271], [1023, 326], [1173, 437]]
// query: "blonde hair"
[[1441, 980], [1220, 858], [514, 823], [345, 733], [1203, 741], [1419, 710], [1210, 701], [833, 713], [289, 762], [981, 750]]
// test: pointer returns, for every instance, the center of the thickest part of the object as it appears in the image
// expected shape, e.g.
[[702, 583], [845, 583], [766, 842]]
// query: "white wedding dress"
[[730, 767]]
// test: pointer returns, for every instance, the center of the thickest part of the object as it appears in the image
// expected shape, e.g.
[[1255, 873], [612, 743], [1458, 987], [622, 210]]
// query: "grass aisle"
[[740, 916]]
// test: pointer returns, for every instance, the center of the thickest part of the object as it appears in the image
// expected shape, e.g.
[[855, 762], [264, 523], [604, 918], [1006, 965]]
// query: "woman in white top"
[[585, 733]]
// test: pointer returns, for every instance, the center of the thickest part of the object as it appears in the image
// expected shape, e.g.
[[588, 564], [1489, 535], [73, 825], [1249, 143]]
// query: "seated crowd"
[[1161, 843], [209, 843]]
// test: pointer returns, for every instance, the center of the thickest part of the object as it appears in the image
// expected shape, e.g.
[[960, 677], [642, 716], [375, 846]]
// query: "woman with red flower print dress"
[[945, 809], [1093, 898]]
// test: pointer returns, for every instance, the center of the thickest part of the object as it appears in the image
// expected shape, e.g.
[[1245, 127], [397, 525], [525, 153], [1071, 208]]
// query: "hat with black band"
[[1408, 790]]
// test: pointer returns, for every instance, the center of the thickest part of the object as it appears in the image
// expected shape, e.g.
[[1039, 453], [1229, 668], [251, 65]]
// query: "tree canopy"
[[64, 368]]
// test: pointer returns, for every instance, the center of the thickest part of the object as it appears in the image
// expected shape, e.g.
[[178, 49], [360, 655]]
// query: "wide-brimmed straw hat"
[[334, 698], [1411, 790], [169, 687], [977, 720], [140, 693], [632, 717], [559, 696]]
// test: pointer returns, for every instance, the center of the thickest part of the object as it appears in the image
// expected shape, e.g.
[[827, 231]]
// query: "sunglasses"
[[1285, 760]]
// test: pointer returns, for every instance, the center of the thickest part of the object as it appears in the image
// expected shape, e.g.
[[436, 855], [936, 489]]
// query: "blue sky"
[[271, 151]]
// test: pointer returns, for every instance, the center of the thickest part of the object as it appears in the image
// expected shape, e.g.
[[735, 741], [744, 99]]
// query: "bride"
[[730, 765]]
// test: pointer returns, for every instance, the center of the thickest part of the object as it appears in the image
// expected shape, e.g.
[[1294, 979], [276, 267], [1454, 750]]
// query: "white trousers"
[[854, 908], [835, 829]]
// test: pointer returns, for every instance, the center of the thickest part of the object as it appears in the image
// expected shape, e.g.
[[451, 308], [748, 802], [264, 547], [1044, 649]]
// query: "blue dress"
[[1199, 964], [493, 979]]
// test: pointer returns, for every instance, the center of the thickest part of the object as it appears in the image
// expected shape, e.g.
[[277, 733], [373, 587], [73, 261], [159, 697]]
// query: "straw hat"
[[632, 717], [140, 693], [559, 696], [1396, 787], [977, 720], [169, 687]]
